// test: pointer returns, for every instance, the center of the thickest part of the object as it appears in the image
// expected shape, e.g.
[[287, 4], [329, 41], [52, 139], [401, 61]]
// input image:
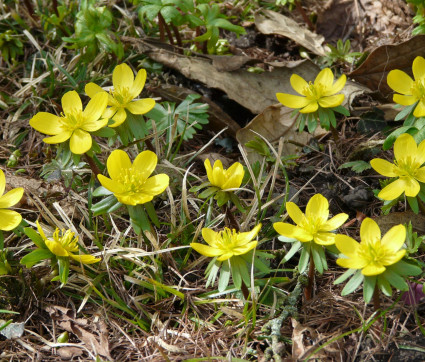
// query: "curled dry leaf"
[[270, 22], [374, 70]]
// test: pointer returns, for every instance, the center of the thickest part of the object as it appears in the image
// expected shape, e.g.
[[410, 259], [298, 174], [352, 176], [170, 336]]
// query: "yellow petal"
[[206, 250], [291, 101], [419, 109], [418, 68], [420, 174], [394, 238], [218, 177], [240, 250], [211, 237], [119, 118], [313, 106], [122, 77], [40, 231], [298, 83], [392, 191], [134, 198], [46, 123], [71, 103], [235, 174], [96, 106], [325, 78], [420, 153], [337, 86], [141, 106], [59, 138], [56, 248], [411, 186], [2, 182], [346, 245], [91, 89], [373, 269], [321, 238], [117, 164], [331, 101], [335, 222], [404, 100], [404, 145], [383, 167], [93, 126], [109, 112], [11, 198], [295, 213], [208, 168], [246, 237], [138, 84], [352, 263], [391, 259], [80, 142], [400, 81], [156, 185], [9, 219], [285, 229], [111, 185], [85, 259], [369, 231], [145, 163], [317, 207]]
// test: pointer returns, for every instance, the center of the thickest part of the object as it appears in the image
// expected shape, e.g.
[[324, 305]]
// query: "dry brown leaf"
[[386, 222], [68, 352], [270, 22], [374, 70], [251, 90], [96, 340], [336, 19]]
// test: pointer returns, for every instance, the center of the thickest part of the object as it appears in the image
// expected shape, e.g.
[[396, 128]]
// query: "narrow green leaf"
[[353, 283]]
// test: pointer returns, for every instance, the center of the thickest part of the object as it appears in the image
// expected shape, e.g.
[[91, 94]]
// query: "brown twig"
[[161, 20], [306, 19]]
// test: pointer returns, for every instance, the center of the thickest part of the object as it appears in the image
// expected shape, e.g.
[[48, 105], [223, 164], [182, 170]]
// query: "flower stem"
[[92, 165], [233, 224], [245, 290], [308, 291], [376, 300]]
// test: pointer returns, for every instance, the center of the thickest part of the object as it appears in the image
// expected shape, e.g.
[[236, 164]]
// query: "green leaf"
[[208, 192], [404, 268], [368, 287], [384, 286], [107, 205], [35, 257], [342, 110], [317, 259], [104, 132], [223, 280], [404, 112], [396, 280], [35, 237], [348, 273], [101, 191], [356, 166], [389, 141], [353, 283], [304, 258], [413, 203], [63, 264]]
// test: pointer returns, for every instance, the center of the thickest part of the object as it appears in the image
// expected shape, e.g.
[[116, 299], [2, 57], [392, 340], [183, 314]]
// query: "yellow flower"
[[224, 179], [372, 254], [64, 244], [320, 93], [131, 183], [407, 167], [411, 90], [314, 225], [75, 123], [9, 219], [126, 88], [226, 243]]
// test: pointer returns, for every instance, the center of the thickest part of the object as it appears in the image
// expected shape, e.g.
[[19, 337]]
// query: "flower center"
[[73, 120], [407, 166], [418, 89], [314, 91], [229, 239], [122, 95], [313, 224], [66, 239], [372, 252], [132, 180]]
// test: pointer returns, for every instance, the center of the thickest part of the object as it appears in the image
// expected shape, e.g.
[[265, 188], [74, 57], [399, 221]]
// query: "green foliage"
[[357, 166], [92, 31], [323, 116], [181, 121], [10, 45], [340, 54], [55, 25], [419, 18]]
